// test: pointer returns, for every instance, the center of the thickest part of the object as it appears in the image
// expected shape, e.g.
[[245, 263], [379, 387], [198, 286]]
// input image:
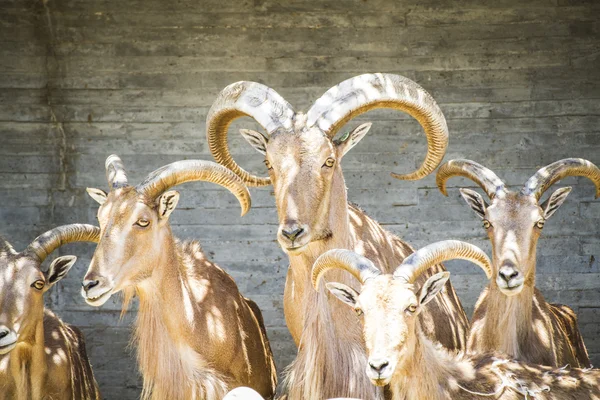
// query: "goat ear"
[[343, 292], [475, 201], [256, 139], [432, 287], [555, 201], [97, 194], [58, 270], [167, 203], [351, 139]]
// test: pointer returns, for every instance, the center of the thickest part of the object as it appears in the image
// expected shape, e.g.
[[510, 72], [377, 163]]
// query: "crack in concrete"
[[51, 68], [51, 57]]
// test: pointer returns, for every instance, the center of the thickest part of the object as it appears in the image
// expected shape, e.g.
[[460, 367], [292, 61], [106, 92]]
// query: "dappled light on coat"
[[304, 158], [196, 336], [511, 315], [40, 355], [401, 356]]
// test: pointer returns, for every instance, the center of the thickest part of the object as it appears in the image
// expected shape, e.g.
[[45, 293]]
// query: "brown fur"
[[325, 367], [196, 336], [418, 368], [433, 373], [522, 325], [49, 363], [42, 357]]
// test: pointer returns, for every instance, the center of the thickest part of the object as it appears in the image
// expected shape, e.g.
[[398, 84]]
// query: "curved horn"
[[550, 174], [47, 242], [435, 253], [195, 170], [6, 247], [484, 177], [366, 92], [115, 172], [360, 267], [250, 99]]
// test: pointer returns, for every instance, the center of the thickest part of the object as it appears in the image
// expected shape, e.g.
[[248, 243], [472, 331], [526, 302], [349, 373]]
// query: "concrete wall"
[[80, 79]]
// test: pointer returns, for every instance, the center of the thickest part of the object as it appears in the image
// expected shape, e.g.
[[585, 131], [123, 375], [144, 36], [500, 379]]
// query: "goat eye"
[[38, 285], [358, 311], [412, 308], [540, 224], [329, 162], [142, 222], [268, 164], [487, 224]]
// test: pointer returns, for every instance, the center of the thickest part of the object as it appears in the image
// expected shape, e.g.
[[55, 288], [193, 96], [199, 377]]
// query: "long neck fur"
[[171, 369], [508, 319], [23, 370], [324, 367], [427, 370]]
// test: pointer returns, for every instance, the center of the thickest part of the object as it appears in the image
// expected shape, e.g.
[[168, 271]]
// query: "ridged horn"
[[550, 174], [423, 259], [366, 92], [250, 99], [360, 267], [195, 170], [115, 172], [47, 242], [484, 177], [6, 247]]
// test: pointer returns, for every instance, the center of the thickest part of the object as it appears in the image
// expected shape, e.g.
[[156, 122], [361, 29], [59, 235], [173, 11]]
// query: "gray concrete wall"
[[80, 79]]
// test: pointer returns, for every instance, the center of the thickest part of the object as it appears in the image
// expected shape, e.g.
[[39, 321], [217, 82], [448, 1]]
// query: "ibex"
[[41, 357], [402, 356], [304, 164], [512, 315], [196, 335]]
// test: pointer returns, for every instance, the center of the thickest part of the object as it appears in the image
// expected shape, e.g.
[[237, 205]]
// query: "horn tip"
[[246, 203], [402, 177], [315, 281], [443, 189], [414, 176]]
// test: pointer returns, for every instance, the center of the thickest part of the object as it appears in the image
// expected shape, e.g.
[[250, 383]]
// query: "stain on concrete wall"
[[80, 79]]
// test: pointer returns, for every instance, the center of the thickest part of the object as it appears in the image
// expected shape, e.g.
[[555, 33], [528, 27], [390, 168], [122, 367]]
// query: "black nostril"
[[509, 274], [3, 333], [292, 235], [87, 285], [379, 366]]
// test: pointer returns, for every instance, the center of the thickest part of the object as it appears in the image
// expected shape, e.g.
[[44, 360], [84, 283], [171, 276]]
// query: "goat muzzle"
[[96, 290], [8, 339], [510, 280]]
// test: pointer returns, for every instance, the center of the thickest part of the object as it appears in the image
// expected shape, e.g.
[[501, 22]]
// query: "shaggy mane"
[[170, 371]]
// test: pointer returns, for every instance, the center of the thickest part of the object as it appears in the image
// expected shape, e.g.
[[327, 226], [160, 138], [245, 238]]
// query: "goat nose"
[[508, 273], [88, 284], [378, 365], [292, 234], [4, 332]]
